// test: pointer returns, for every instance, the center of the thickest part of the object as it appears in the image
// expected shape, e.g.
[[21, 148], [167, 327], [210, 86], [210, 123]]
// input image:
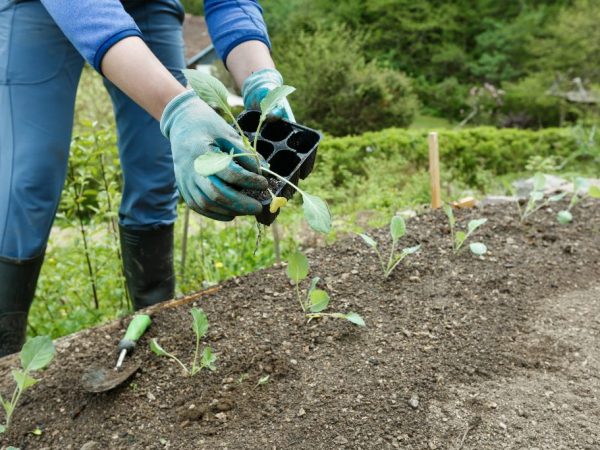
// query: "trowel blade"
[[102, 380]]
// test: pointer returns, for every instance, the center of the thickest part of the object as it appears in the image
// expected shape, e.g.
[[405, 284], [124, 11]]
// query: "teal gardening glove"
[[194, 128], [258, 85]]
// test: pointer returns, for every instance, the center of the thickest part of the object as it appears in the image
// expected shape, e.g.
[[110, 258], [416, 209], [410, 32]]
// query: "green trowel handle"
[[138, 325]]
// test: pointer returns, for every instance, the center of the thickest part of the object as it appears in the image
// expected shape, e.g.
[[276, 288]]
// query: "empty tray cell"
[[276, 131], [284, 162], [248, 122], [303, 141], [265, 148]]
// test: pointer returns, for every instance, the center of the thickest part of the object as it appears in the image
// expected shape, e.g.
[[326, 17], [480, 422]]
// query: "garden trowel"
[[102, 379]]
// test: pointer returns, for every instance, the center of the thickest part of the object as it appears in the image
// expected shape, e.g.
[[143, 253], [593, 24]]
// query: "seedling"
[[200, 327], [213, 92], [460, 237], [36, 354], [536, 200], [580, 188], [397, 230], [316, 300]]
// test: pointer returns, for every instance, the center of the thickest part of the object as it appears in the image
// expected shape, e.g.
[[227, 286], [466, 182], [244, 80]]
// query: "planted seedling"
[[36, 354], [213, 92], [580, 188], [316, 300], [536, 200], [207, 359], [460, 237], [397, 230]]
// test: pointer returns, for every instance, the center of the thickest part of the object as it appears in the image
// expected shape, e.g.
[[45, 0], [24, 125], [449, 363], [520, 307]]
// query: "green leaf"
[[355, 319], [478, 248], [411, 250], [580, 185], [273, 99], [263, 380], [539, 181], [557, 197], [200, 322], [156, 348], [313, 284], [316, 213], [210, 163], [474, 224], [564, 217], [397, 228], [208, 359], [297, 269], [460, 237], [450, 215], [594, 192], [536, 196], [2, 430], [37, 431], [23, 380], [37, 353], [368, 239], [319, 300], [208, 88]]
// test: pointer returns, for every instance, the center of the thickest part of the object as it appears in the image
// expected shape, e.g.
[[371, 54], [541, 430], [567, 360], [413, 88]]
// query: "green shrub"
[[338, 90]]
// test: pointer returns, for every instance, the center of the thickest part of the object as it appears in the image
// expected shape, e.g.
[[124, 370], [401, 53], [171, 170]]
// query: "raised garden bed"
[[459, 352]]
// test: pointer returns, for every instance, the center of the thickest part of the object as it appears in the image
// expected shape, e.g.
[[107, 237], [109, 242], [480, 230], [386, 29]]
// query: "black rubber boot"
[[18, 279], [148, 263]]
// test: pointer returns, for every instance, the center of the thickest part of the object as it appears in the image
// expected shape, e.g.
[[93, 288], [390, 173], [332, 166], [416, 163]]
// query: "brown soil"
[[459, 353]]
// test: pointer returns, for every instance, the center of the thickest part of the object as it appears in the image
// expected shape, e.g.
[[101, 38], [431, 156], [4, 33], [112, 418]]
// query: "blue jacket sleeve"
[[231, 22], [92, 26]]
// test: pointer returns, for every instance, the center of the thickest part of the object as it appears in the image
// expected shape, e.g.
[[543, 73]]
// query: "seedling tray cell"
[[289, 148]]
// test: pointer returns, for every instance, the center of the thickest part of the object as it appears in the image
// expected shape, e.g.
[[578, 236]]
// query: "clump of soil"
[[274, 185], [460, 352]]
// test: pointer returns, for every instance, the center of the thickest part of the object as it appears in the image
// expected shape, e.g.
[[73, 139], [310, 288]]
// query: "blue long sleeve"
[[92, 26], [231, 22]]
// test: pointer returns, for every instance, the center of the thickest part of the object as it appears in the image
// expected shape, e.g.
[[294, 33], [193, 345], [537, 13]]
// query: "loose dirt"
[[460, 352]]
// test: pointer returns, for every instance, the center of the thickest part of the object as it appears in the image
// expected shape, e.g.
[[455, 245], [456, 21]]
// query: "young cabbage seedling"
[[536, 200], [580, 188], [316, 300], [460, 237], [36, 354], [397, 230], [213, 92], [200, 327]]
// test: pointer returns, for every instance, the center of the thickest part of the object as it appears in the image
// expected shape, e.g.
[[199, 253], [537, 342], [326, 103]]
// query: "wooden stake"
[[434, 171]]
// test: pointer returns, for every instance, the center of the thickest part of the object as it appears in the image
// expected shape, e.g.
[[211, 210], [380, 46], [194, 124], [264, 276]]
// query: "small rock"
[[150, 396], [414, 401], [493, 405], [502, 425], [301, 412], [340, 440], [223, 405], [90, 445], [221, 416]]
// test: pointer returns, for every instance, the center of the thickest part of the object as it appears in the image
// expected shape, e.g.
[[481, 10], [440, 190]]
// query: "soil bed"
[[460, 352]]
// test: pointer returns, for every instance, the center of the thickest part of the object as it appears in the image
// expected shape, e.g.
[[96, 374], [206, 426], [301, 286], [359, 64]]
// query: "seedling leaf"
[[200, 322], [277, 203], [564, 217], [208, 359], [536, 196], [319, 300], [450, 215], [208, 88], [474, 224], [23, 379], [273, 99], [557, 197], [210, 163], [368, 239], [594, 192], [316, 213], [539, 181], [263, 380], [2, 429], [156, 348], [37, 353], [297, 269], [459, 238], [397, 228], [580, 185], [355, 319], [313, 284], [411, 250], [478, 248]]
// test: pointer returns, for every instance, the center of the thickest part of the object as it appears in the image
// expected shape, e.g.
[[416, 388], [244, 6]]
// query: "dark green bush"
[[338, 91]]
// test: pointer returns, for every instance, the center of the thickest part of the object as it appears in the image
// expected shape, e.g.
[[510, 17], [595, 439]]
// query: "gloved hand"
[[258, 85], [194, 128]]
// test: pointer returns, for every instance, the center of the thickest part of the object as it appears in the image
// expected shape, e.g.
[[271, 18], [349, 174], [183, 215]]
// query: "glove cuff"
[[261, 78], [170, 112]]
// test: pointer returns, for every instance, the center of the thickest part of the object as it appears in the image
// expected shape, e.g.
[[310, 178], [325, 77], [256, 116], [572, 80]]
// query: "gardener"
[[137, 46]]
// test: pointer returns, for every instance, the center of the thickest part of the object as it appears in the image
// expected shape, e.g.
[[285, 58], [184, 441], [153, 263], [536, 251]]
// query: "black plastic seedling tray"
[[289, 148]]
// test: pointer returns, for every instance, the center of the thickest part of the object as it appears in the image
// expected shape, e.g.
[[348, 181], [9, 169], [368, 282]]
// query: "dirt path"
[[459, 353]]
